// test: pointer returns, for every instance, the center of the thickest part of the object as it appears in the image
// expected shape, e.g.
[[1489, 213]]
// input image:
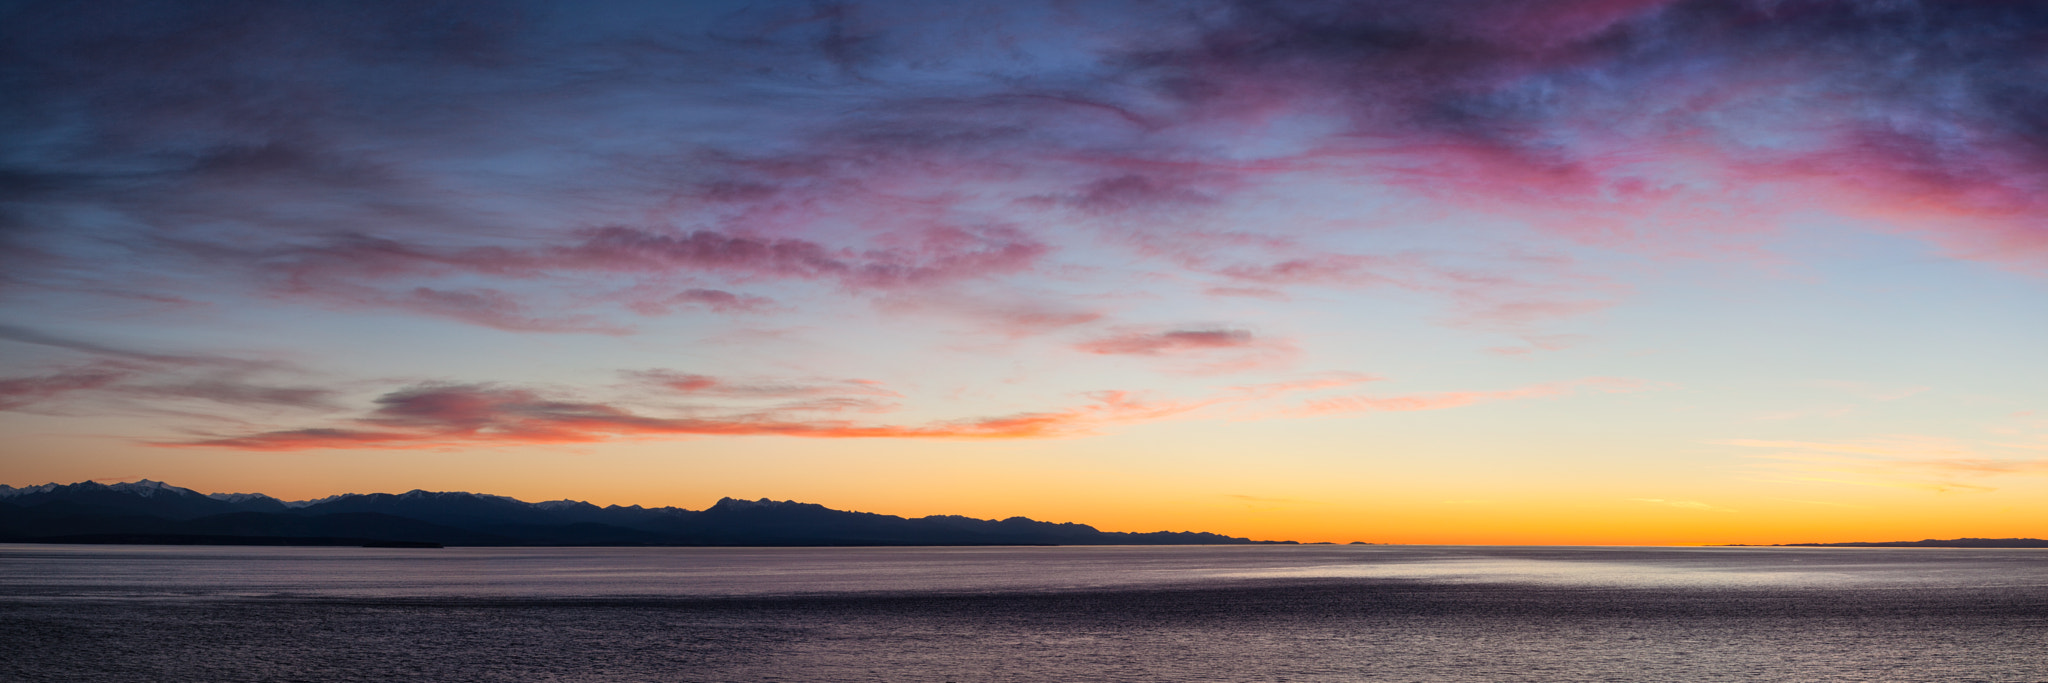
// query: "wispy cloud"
[[450, 415], [1681, 504], [707, 385], [102, 378], [1453, 399], [1917, 462], [1168, 341], [1823, 503], [22, 392], [1198, 350], [1258, 499], [442, 416]]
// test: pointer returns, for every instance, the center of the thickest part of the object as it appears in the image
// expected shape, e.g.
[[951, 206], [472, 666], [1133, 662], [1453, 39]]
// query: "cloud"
[[1507, 291], [1012, 314], [467, 415], [1131, 192], [893, 156], [1682, 504], [1136, 343], [1018, 169], [940, 255], [104, 378], [892, 162], [489, 308], [21, 392], [1195, 350], [706, 385], [1902, 461], [716, 300], [351, 270], [1456, 399], [1823, 503], [1257, 499], [232, 392], [36, 337], [1328, 269], [1247, 292], [440, 416]]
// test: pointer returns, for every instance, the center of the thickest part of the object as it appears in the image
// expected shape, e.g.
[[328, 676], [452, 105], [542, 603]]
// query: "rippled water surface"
[[1264, 613]]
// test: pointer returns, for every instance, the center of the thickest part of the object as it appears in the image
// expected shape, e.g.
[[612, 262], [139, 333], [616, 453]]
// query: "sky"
[[1566, 272]]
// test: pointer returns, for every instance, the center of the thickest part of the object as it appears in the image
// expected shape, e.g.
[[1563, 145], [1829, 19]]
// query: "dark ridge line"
[[1926, 543]]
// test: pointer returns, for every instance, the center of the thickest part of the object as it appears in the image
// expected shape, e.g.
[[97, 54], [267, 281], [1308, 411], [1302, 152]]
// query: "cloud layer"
[[439, 416], [363, 159], [1047, 185]]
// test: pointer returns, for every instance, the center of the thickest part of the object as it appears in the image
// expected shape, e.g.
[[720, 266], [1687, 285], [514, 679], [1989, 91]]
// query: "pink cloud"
[[354, 270], [1013, 314], [1981, 202], [444, 416], [1248, 293], [1328, 269], [1671, 129], [720, 300], [1607, 123], [1482, 310], [1028, 321], [1552, 342], [1136, 343], [135, 388], [22, 392], [457, 415], [939, 255], [127, 380], [1199, 351], [1132, 192], [492, 308], [1510, 291], [654, 300], [707, 385]]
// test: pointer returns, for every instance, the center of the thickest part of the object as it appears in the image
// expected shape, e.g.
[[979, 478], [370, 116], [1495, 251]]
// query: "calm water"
[[1315, 613]]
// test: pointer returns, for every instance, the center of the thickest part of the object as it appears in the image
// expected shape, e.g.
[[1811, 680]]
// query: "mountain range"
[[154, 512]]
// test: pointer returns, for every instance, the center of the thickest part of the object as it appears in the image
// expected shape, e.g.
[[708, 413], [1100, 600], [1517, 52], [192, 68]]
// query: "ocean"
[[1179, 613]]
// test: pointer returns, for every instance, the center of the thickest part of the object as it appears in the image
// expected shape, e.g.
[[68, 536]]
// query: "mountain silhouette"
[[155, 512]]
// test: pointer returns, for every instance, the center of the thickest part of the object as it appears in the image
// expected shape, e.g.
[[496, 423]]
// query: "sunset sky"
[[1583, 271]]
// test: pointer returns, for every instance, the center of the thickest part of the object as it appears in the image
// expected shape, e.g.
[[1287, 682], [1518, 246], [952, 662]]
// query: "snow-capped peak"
[[738, 504], [439, 495], [239, 497], [148, 488], [10, 492]]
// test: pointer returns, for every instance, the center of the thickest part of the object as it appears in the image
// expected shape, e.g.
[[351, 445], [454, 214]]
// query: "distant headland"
[[152, 512], [1927, 543]]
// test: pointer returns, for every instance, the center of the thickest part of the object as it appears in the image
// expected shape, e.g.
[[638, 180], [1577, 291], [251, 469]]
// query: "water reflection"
[[184, 572]]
